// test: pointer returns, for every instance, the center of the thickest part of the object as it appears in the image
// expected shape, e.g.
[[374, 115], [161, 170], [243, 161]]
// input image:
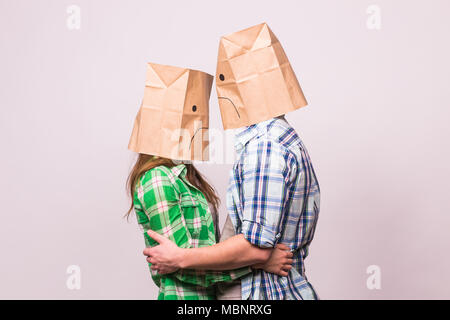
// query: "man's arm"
[[266, 182], [232, 253]]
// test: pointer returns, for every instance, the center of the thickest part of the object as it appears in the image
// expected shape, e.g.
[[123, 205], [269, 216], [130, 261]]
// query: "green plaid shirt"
[[165, 201]]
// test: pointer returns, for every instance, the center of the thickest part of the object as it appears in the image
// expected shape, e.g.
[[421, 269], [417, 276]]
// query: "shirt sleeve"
[[161, 210], [157, 206], [266, 171]]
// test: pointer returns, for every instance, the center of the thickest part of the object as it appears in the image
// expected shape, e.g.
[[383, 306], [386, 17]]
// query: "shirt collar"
[[179, 170], [245, 134]]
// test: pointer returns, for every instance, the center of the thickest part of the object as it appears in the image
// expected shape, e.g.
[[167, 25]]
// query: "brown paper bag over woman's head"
[[254, 79], [173, 120]]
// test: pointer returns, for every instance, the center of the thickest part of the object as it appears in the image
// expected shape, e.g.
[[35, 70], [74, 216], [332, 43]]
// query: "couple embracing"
[[273, 197]]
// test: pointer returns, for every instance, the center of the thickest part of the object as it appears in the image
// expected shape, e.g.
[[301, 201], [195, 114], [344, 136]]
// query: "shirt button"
[[278, 236]]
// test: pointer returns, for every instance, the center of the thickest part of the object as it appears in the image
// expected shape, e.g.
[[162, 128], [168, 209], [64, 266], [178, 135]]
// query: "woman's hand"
[[280, 261]]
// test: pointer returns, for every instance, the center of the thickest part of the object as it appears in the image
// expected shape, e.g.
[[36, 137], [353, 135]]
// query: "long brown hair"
[[146, 162]]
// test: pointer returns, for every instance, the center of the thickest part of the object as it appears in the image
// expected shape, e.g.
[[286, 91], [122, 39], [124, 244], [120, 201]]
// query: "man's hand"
[[280, 261], [165, 257]]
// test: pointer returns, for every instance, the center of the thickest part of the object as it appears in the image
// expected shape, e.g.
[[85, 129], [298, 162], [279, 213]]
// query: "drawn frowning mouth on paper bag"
[[231, 101], [195, 133], [228, 96]]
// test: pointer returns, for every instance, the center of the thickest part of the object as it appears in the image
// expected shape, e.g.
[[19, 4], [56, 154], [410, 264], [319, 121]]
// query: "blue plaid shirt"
[[274, 197]]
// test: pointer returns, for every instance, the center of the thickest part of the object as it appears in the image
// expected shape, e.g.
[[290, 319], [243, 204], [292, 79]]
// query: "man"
[[273, 196]]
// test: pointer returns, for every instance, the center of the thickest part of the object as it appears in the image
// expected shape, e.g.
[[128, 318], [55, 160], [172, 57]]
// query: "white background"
[[376, 128]]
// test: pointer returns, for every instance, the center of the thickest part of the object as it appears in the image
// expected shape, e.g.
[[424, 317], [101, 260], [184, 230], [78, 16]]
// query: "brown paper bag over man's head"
[[173, 120], [254, 79]]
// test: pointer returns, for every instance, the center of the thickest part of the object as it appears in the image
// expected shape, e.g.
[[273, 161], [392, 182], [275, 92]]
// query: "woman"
[[174, 199]]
